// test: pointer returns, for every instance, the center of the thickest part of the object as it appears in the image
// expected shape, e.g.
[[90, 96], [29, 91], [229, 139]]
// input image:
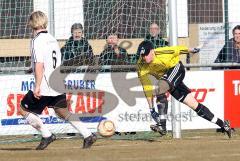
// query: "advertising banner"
[[232, 97], [115, 96]]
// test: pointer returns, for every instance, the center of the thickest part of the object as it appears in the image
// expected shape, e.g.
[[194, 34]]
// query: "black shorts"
[[32, 104], [174, 77]]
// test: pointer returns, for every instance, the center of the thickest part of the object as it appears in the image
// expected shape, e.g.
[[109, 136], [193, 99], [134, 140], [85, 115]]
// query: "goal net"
[[88, 78], [129, 20]]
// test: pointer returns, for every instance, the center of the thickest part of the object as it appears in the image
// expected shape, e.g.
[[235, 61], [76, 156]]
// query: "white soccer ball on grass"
[[106, 128]]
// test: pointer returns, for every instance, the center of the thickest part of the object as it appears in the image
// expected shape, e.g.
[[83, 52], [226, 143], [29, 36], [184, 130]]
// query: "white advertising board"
[[114, 96]]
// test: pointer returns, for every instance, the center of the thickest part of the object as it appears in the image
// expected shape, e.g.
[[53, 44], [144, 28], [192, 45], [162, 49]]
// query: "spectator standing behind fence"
[[113, 54], [230, 53], [154, 36], [76, 45]]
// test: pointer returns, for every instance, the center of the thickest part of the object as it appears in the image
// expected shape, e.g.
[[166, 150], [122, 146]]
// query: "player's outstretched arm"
[[190, 50]]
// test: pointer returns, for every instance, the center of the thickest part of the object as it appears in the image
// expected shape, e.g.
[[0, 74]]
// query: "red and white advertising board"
[[114, 96], [232, 97]]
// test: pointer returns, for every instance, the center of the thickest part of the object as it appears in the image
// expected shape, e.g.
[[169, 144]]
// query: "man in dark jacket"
[[76, 47], [230, 53], [154, 36], [113, 54]]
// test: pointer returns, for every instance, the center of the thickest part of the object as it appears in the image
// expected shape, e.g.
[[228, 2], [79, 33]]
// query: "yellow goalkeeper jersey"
[[165, 58]]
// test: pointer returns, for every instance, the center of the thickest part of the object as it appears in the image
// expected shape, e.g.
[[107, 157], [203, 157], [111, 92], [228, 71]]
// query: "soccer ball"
[[106, 128]]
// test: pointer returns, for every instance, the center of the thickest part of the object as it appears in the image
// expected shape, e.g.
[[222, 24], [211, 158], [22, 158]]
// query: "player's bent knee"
[[162, 87]]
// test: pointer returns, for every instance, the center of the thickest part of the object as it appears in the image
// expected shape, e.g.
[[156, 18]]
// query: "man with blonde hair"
[[45, 58]]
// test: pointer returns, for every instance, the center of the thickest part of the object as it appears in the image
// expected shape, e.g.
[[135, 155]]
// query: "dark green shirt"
[[109, 57], [157, 41], [76, 48]]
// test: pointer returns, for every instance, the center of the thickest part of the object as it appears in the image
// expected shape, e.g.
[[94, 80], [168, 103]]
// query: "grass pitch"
[[195, 145]]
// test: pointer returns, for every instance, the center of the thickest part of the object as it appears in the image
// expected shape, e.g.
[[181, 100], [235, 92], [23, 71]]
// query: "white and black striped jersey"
[[45, 49]]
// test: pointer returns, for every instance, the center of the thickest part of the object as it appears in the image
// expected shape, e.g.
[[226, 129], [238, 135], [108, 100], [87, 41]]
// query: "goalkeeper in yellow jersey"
[[163, 63]]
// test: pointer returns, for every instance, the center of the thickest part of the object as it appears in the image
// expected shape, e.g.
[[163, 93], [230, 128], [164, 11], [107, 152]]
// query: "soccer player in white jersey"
[[46, 57]]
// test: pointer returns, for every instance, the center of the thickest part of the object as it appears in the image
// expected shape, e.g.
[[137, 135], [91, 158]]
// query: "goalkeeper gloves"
[[155, 115]]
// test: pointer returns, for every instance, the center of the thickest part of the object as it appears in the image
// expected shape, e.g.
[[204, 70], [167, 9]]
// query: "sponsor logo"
[[49, 120], [142, 51], [236, 87], [200, 94]]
